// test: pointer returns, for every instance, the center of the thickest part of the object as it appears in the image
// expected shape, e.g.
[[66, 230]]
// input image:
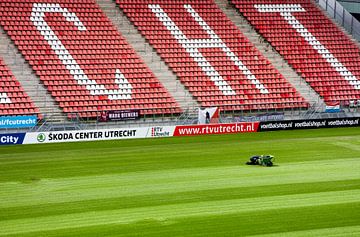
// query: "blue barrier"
[[12, 138]]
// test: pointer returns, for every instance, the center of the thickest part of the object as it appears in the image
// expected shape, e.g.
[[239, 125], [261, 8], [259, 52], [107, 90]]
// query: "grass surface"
[[191, 186]]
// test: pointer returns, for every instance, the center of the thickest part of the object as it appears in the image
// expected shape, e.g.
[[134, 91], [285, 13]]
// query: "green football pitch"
[[189, 186]]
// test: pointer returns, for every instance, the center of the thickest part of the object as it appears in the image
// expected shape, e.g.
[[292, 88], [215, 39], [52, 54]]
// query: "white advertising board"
[[85, 135]]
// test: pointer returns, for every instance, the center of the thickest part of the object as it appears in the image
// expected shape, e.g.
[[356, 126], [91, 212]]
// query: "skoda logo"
[[41, 137]]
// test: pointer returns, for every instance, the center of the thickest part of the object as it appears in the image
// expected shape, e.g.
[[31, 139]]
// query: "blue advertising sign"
[[18, 121], [12, 138]]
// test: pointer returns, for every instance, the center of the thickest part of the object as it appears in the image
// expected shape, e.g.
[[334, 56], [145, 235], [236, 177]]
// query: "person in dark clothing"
[[207, 117], [254, 160]]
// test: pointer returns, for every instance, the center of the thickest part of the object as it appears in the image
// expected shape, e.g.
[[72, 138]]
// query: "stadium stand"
[[13, 99], [82, 59], [210, 55], [312, 44]]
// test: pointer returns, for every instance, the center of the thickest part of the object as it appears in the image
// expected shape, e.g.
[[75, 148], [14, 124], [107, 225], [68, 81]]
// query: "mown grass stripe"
[[348, 231], [169, 181], [168, 212], [174, 198]]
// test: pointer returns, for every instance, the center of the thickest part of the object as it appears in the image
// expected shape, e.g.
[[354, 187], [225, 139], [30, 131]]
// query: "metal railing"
[[186, 118], [342, 16]]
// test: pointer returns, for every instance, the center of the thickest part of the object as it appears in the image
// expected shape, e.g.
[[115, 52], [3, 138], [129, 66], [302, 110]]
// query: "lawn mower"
[[263, 160]]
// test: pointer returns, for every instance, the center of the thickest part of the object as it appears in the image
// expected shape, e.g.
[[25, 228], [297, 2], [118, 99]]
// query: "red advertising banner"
[[193, 130]]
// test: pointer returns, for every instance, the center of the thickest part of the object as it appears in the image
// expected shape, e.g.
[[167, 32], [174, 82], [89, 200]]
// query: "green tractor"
[[263, 160]]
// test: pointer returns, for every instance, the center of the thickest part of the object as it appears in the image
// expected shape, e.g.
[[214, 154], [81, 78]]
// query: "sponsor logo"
[[41, 137], [90, 135], [309, 124], [159, 132], [119, 115], [343, 122], [84, 135], [216, 129], [123, 115], [12, 139], [276, 125]]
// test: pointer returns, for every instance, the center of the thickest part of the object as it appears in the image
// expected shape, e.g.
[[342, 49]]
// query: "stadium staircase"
[[148, 55], [270, 53], [47, 106]]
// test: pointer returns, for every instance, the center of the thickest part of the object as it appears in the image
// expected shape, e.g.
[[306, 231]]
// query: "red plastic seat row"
[[13, 98], [82, 53], [211, 70], [305, 38]]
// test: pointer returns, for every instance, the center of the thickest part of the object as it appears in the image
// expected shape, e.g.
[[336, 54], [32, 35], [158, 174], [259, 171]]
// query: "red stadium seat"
[[80, 56], [208, 53], [13, 99], [312, 44]]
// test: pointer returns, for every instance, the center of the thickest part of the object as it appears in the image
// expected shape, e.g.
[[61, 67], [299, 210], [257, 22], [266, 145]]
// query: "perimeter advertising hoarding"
[[18, 121], [85, 135], [309, 124], [145, 132], [169, 131], [114, 134], [12, 138], [193, 130]]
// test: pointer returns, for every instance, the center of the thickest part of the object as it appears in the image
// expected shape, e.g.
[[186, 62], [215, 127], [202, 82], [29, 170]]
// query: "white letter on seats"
[[192, 46], [4, 98], [37, 17], [285, 10]]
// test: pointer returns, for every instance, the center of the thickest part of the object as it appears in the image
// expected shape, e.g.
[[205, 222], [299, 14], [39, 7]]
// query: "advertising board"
[[121, 133], [12, 138], [119, 115], [308, 124], [84, 135], [161, 131], [18, 121], [193, 130], [169, 131]]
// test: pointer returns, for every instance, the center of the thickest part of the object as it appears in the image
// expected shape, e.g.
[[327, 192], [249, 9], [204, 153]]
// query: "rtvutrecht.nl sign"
[[18, 121]]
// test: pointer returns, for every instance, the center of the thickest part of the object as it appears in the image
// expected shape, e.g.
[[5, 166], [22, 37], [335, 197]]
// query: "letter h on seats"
[[192, 46]]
